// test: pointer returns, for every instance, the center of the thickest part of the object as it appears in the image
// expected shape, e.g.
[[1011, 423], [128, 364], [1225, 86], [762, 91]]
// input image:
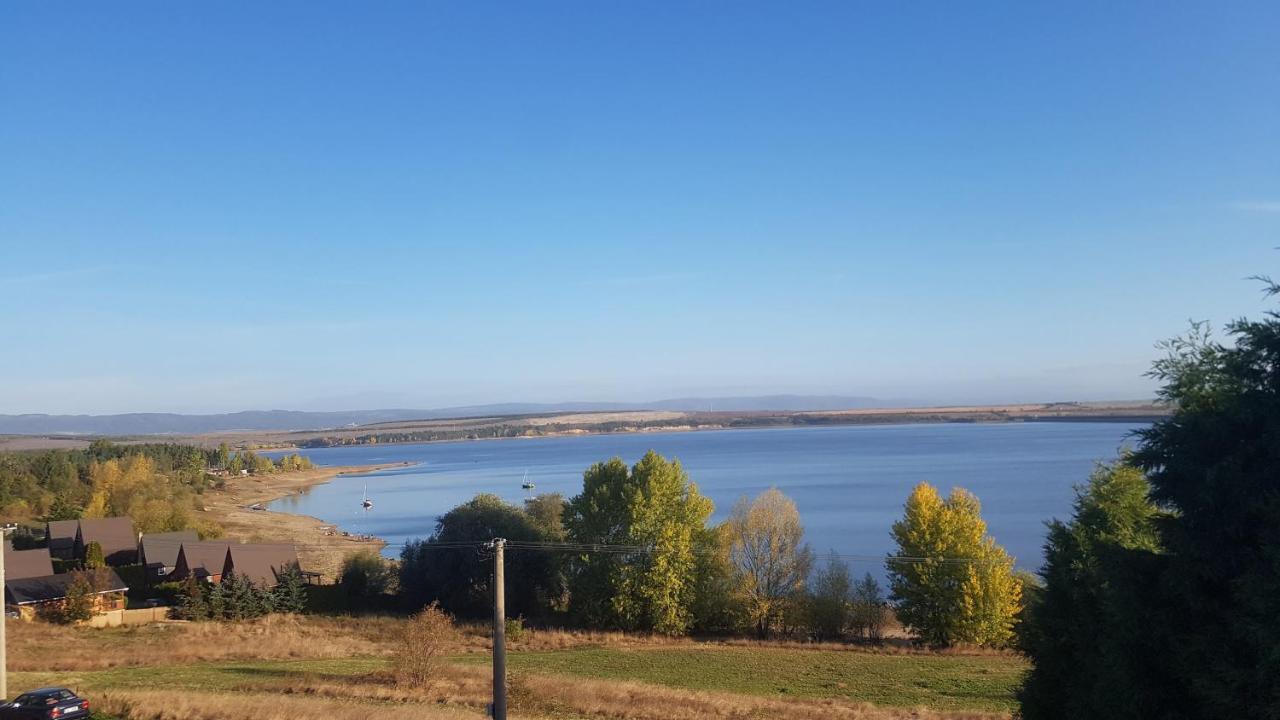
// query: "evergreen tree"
[[217, 599], [192, 602], [951, 582], [93, 557], [290, 592], [1089, 648]]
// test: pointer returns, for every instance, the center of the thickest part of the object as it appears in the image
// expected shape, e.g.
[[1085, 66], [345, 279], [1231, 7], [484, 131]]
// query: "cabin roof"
[[54, 587], [261, 563], [19, 564]]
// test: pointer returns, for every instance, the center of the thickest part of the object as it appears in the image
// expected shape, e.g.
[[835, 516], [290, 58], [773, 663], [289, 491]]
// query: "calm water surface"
[[849, 482]]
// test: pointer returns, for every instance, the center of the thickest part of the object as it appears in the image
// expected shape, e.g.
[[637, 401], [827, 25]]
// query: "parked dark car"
[[51, 703]]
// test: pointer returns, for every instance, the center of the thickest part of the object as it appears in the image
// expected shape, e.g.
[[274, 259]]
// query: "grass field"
[[941, 683], [339, 669]]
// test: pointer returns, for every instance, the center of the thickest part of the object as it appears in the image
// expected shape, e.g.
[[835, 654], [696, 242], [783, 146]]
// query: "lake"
[[849, 482]]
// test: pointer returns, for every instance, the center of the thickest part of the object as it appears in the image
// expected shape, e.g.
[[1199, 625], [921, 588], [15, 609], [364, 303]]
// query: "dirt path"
[[321, 548]]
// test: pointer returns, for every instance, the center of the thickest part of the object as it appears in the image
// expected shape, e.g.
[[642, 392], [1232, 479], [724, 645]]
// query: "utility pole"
[[499, 633], [4, 618]]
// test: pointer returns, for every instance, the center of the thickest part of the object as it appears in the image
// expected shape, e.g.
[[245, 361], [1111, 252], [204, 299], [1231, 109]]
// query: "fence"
[[141, 616]]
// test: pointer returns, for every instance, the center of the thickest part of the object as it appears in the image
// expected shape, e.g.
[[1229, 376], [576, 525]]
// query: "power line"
[[619, 550]]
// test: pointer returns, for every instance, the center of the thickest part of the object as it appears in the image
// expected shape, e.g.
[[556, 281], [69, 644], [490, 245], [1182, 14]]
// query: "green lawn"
[[941, 682]]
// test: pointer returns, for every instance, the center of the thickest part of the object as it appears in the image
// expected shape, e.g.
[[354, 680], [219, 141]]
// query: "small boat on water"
[[366, 503]]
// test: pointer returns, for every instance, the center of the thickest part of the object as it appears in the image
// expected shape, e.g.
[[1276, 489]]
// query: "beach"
[[321, 547]]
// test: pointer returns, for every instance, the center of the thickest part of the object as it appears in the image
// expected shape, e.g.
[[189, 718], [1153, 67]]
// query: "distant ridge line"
[[189, 424]]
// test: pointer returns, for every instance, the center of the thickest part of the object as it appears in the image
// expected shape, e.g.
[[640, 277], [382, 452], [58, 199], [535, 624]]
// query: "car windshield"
[[23, 699]]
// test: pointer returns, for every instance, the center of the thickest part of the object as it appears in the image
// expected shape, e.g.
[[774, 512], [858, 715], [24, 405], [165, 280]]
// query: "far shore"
[[569, 424], [321, 546]]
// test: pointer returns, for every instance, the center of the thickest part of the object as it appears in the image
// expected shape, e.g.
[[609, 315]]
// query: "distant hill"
[[179, 424]]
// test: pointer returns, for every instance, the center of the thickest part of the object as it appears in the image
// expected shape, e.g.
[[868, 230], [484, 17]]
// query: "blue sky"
[[313, 205]]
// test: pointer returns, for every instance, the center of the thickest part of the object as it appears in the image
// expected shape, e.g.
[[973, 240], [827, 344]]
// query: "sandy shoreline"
[[318, 550]]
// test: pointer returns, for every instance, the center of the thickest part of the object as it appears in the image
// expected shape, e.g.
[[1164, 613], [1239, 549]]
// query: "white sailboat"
[[366, 503]]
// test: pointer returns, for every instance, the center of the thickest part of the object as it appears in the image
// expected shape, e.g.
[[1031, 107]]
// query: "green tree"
[[63, 508], [1196, 623], [868, 612], [78, 604], [459, 578], [93, 557], [290, 593], [546, 512], [366, 574], [951, 582], [192, 602], [218, 599], [772, 560], [1083, 636], [657, 517], [829, 604], [223, 458], [717, 604]]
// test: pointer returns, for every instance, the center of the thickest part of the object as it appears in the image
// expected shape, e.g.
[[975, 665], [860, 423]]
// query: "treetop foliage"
[[154, 483], [654, 506], [953, 584]]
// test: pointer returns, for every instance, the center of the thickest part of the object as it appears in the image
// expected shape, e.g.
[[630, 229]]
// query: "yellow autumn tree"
[[132, 486], [769, 553], [951, 582]]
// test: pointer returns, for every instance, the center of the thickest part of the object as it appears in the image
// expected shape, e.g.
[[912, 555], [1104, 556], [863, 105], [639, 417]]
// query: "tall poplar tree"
[[654, 517], [950, 582]]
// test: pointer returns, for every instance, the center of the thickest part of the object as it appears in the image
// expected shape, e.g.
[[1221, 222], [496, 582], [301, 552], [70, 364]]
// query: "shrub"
[[77, 607], [93, 557], [421, 652], [515, 629], [366, 574]]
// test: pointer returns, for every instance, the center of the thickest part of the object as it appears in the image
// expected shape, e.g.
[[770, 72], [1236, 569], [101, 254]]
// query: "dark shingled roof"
[[261, 563], [54, 587], [161, 549], [20, 564], [201, 559], [115, 535], [62, 535]]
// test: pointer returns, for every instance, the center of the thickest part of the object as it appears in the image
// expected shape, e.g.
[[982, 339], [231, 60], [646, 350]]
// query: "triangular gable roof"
[[62, 529], [161, 549], [54, 587], [201, 559], [19, 564], [259, 562], [62, 534], [116, 536]]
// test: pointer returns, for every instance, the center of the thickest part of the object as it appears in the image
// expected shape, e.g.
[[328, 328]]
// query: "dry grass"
[[161, 705], [558, 696], [341, 668], [279, 637]]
